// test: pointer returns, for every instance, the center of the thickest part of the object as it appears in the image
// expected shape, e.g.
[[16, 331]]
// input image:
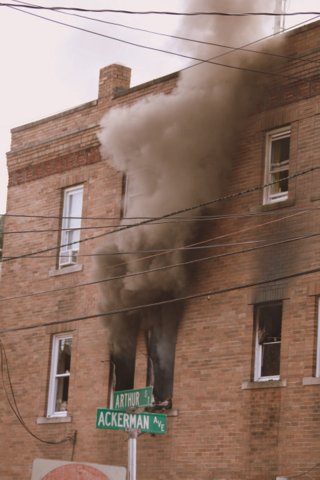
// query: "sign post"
[[132, 455], [122, 417]]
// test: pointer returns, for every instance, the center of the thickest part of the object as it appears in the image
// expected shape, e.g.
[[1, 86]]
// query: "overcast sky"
[[47, 67]]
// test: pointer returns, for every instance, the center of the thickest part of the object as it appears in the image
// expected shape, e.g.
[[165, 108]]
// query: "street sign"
[[155, 423], [140, 397]]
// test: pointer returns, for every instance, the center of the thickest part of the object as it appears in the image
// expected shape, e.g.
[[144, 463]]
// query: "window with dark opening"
[[268, 320], [161, 336]]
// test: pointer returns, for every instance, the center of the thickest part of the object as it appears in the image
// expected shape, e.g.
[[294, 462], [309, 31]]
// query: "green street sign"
[[125, 399], [155, 423]]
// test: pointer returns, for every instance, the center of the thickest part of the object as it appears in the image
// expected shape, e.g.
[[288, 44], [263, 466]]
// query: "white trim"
[[257, 377], [68, 253], [52, 392], [268, 197]]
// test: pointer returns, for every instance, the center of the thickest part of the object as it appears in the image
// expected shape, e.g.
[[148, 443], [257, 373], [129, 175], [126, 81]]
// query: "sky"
[[47, 67]]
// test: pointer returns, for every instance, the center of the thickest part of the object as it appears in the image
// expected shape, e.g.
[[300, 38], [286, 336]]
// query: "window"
[[318, 342], [70, 225], [277, 166], [59, 376], [139, 185], [267, 341]]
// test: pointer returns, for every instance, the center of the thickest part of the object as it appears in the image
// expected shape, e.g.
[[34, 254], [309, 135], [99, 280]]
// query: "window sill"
[[47, 420], [263, 384], [61, 271], [311, 381], [276, 205]]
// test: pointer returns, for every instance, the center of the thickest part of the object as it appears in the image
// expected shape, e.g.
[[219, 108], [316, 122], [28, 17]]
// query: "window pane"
[[280, 152], [270, 323], [280, 182], [270, 359], [62, 394], [71, 224], [268, 340], [64, 356], [75, 209]]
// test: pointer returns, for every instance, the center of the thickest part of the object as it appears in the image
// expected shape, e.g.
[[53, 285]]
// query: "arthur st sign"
[[140, 397], [155, 423]]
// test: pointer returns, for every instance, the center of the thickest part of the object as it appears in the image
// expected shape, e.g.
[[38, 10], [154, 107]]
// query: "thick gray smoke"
[[177, 150]]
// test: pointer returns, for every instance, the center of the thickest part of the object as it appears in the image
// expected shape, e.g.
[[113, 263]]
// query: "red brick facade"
[[223, 425]]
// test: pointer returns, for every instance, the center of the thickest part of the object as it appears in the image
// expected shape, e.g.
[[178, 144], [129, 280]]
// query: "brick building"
[[243, 402]]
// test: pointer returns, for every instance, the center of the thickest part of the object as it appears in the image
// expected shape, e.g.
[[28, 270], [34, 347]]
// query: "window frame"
[[68, 253], [268, 196], [258, 346], [54, 376]]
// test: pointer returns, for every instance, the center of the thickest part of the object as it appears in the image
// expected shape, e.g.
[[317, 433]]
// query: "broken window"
[[268, 319], [59, 375], [160, 326], [70, 225], [277, 166]]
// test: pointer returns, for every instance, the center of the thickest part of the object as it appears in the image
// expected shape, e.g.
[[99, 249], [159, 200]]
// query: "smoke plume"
[[177, 151]]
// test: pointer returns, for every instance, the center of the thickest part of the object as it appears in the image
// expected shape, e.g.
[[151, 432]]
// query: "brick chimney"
[[113, 79]]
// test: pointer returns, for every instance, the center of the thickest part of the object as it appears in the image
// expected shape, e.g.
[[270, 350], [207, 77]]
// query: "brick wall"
[[223, 426]]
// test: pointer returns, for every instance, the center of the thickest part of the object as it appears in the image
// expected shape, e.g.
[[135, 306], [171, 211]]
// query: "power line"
[[159, 12], [147, 47], [229, 48], [177, 37], [165, 267], [178, 218], [185, 298], [162, 217], [5, 372], [196, 219]]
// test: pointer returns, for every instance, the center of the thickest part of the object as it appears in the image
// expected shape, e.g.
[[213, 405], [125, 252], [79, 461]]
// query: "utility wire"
[[177, 37], [162, 217], [198, 62], [198, 42], [165, 267], [181, 55], [193, 220], [5, 372], [178, 218], [159, 12], [185, 298]]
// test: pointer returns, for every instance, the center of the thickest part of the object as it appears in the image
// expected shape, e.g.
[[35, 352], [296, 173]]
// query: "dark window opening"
[[161, 334], [268, 340]]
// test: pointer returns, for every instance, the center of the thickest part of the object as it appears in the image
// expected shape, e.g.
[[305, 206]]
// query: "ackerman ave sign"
[[144, 422]]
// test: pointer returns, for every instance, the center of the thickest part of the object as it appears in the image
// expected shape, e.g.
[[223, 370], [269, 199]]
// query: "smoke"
[[177, 151]]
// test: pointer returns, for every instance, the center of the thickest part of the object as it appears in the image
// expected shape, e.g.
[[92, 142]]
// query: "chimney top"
[[113, 78]]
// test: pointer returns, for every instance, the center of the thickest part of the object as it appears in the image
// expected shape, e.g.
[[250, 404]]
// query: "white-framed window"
[[59, 375], [277, 166], [318, 340], [70, 225], [268, 319]]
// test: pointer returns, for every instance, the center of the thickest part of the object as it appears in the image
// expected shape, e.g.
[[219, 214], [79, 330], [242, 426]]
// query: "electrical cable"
[[134, 44], [185, 298], [178, 218], [157, 269], [5, 372], [162, 12], [165, 216], [177, 37], [199, 62]]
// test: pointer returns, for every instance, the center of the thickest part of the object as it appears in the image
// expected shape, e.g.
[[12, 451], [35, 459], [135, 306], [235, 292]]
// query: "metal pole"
[[132, 454]]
